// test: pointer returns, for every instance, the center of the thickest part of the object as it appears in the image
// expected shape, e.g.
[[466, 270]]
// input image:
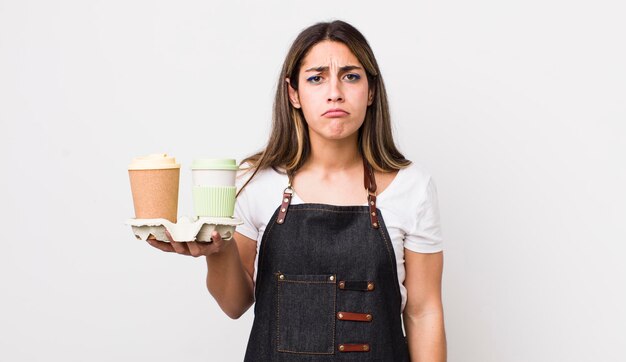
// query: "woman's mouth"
[[335, 112]]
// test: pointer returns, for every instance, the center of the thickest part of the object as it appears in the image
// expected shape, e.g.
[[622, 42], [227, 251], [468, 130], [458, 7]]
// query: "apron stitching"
[[393, 264], [336, 211], [314, 353], [333, 320], [278, 314], [265, 237]]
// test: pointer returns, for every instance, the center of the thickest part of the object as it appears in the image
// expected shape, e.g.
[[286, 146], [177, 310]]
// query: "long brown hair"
[[289, 147]]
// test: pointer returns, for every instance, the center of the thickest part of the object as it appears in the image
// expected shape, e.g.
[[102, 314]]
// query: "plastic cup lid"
[[155, 161], [215, 164]]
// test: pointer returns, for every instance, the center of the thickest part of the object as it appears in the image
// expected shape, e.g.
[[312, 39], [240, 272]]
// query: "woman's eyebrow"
[[345, 68]]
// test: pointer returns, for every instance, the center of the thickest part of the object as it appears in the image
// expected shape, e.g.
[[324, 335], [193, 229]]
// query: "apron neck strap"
[[368, 177], [370, 185]]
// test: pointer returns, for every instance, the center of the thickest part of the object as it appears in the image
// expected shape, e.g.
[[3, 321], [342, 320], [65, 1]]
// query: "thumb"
[[216, 237]]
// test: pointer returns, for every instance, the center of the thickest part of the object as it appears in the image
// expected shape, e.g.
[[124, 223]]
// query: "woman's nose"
[[335, 93]]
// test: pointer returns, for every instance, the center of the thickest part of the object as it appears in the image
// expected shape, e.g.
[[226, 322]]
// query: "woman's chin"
[[339, 136], [338, 131]]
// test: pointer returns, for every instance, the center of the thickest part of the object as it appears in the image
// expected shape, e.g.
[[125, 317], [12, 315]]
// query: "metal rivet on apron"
[[373, 213], [342, 284], [285, 199], [370, 286], [375, 224], [280, 221], [341, 347], [340, 315], [366, 347], [331, 278], [371, 202], [283, 209], [281, 277], [369, 317]]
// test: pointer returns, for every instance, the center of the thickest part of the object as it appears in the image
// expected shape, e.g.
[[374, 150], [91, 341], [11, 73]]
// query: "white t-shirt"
[[408, 205]]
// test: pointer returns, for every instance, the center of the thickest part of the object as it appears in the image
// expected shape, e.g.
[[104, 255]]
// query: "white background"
[[516, 107]]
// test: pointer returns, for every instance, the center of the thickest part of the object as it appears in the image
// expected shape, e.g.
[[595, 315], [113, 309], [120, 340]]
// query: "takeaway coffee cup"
[[154, 184], [214, 187]]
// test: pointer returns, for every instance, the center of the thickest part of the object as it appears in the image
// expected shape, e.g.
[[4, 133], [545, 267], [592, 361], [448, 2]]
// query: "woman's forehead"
[[329, 54]]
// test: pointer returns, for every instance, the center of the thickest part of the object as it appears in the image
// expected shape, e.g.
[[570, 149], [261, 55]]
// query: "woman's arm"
[[230, 266], [423, 313], [229, 276]]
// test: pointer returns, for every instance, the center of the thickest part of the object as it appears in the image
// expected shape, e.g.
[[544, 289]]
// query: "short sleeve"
[[243, 210], [425, 235]]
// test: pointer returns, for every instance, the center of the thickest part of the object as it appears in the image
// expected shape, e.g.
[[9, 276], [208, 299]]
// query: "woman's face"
[[332, 91]]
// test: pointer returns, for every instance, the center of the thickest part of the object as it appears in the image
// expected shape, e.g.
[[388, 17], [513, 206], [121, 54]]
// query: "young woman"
[[341, 242]]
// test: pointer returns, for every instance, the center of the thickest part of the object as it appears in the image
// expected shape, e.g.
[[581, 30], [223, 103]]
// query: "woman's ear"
[[293, 95], [370, 97]]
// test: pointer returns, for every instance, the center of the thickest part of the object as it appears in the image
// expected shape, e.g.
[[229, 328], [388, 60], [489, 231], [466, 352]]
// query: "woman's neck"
[[333, 155]]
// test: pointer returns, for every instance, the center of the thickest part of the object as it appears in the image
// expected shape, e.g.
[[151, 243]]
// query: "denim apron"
[[327, 285]]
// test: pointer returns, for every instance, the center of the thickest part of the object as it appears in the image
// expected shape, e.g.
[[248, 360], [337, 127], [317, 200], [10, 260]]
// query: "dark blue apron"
[[327, 285]]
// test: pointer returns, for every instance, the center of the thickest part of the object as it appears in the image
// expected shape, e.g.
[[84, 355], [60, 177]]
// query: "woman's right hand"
[[190, 248]]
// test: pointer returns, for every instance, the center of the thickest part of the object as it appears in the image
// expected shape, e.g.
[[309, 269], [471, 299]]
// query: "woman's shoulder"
[[414, 177], [264, 178]]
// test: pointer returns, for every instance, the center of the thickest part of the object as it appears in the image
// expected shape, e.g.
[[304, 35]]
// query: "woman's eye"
[[353, 77], [314, 79]]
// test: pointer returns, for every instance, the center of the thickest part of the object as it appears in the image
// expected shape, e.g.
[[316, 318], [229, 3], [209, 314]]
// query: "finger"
[[180, 248], [217, 243], [195, 249], [216, 237], [161, 245], [169, 236]]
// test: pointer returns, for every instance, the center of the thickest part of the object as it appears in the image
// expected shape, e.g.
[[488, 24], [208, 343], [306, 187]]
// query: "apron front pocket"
[[305, 313]]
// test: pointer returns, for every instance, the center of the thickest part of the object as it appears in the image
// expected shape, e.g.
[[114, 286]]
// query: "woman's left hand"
[[190, 248]]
